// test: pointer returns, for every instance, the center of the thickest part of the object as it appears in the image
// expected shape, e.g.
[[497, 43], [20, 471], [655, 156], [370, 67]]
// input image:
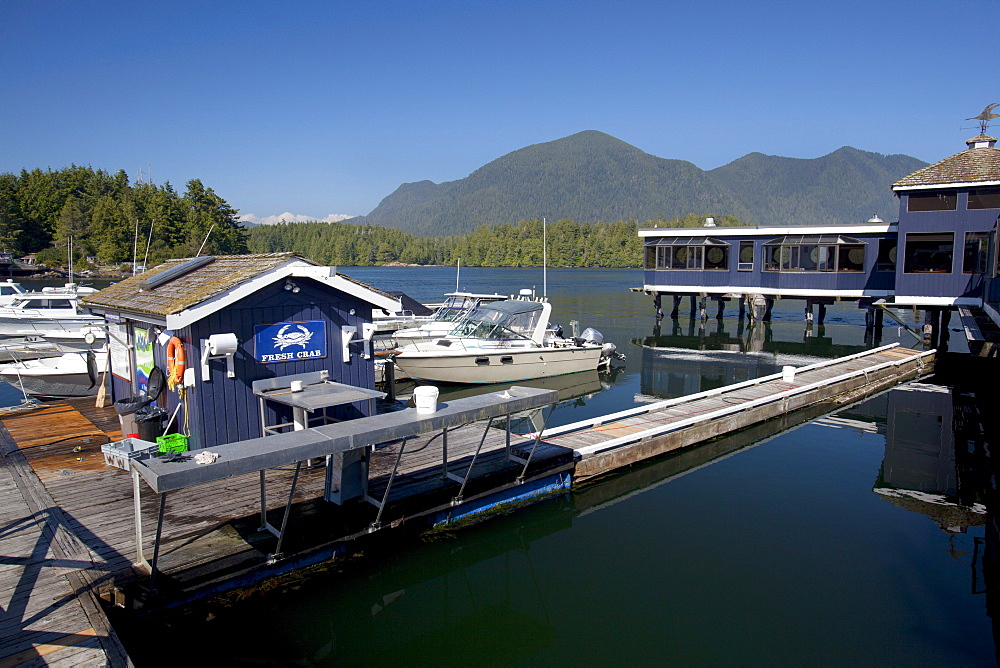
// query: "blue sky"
[[319, 108]]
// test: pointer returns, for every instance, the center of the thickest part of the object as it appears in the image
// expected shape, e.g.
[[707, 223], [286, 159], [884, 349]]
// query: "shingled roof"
[[217, 277], [977, 165]]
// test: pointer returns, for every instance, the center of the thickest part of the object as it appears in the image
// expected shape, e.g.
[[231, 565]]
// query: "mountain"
[[591, 176], [846, 186], [588, 176]]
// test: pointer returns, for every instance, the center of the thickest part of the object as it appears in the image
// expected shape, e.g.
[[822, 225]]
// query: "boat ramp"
[[167, 533]]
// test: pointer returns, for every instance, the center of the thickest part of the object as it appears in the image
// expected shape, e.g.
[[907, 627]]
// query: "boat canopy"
[[500, 321], [458, 303]]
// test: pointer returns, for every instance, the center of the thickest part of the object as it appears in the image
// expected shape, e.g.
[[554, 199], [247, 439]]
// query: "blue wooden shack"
[[234, 320], [939, 255]]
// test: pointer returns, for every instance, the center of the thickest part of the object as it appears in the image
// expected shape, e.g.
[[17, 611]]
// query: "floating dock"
[[75, 529]]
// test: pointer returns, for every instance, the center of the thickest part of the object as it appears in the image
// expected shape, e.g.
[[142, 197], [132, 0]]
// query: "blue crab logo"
[[285, 338]]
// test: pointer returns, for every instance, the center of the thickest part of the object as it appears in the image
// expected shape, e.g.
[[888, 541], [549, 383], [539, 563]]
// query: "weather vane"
[[985, 117]]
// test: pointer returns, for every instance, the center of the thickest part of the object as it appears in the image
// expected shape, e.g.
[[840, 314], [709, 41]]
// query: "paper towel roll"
[[222, 344]]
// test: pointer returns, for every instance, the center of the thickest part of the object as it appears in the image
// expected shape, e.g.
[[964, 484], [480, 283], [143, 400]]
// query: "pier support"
[[677, 306], [721, 312], [768, 306]]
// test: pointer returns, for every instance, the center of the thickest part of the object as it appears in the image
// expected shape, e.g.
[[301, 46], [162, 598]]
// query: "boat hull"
[[502, 365], [69, 375], [13, 326]]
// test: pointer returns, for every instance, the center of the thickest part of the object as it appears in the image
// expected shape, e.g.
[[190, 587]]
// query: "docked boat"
[[48, 310], [455, 306], [68, 375], [9, 290], [502, 342]]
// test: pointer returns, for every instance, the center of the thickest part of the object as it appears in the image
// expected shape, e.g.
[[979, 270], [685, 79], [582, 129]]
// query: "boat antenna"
[[545, 263], [149, 240], [458, 273], [206, 239], [135, 242]]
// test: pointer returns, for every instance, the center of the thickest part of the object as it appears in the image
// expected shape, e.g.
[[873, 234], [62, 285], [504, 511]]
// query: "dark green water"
[[839, 542]]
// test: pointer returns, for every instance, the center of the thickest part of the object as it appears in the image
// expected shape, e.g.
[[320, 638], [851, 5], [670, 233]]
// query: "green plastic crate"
[[172, 443]]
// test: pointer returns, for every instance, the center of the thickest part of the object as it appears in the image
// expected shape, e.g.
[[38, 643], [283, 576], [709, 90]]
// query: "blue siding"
[[960, 221], [225, 409], [868, 280]]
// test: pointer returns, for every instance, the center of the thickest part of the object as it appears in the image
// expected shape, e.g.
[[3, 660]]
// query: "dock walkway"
[[50, 613], [69, 533], [612, 441]]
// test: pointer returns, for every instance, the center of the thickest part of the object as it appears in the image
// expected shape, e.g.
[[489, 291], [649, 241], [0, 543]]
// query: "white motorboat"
[[88, 337], [50, 309], [456, 306], [9, 290], [69, 375], [503, 342]]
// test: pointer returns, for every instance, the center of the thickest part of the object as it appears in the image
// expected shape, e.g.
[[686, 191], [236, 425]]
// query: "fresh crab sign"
[[290, 341]]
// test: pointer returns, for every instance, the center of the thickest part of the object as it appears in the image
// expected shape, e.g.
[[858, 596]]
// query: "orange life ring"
[[175, 362]]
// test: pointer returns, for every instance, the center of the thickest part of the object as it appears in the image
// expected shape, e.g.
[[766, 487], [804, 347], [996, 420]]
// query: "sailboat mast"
[[545, 262]]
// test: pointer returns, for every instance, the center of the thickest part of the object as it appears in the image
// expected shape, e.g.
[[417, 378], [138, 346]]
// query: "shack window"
[[929, 253], [976, 250], [886, 260], [851, 258], [823, 253], [698, 253], [650, 257], [746, 256], [940, 201], [984, 198]]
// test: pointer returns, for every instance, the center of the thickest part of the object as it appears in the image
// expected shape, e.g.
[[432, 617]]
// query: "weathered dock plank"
[[612, 442], [46, 618]]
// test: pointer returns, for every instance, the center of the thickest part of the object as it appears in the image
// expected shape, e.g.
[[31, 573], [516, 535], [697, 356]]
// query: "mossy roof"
[[223, 273], [973, 165]]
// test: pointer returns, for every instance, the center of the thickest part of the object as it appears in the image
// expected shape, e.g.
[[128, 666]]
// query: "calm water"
[[838, 542]]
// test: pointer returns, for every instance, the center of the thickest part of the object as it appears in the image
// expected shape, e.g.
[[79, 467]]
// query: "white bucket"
[[788, 373], [426, 398]]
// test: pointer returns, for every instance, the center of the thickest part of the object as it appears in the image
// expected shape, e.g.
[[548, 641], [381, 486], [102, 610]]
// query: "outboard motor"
[[591, 335]]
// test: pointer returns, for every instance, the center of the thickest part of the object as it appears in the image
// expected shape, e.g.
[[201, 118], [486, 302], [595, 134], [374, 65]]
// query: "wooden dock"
[[608, 443], [69, 534], [50, 611]]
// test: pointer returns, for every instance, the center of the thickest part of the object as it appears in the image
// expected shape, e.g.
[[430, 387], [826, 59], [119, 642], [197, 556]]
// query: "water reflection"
[[688, 357]]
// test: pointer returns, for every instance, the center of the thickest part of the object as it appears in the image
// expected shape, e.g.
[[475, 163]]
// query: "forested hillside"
[[106, 215], [589, 176], [570, 244], [846, 186]]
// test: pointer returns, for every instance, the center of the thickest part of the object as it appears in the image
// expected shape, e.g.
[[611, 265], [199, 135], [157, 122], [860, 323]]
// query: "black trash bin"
[[149, 421], [126, 409]]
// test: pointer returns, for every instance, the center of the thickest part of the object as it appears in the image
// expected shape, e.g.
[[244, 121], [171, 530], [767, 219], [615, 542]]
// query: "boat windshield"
[[453, 308], [500, 321]]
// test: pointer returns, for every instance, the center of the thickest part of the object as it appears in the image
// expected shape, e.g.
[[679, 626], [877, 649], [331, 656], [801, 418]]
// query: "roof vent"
[[709, 222], [175, 272], [874, 219], [982, 141]]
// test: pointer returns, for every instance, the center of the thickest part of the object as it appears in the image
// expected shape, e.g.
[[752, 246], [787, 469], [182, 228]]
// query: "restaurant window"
[[746, 256], [886, 260], [939, 201], [929, 253], [976, 252], [822, 253], [984, 198], [692, 253]]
